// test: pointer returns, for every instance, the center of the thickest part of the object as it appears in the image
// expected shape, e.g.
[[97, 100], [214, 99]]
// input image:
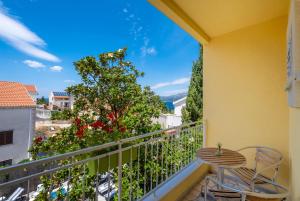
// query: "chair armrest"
[[275, 165]]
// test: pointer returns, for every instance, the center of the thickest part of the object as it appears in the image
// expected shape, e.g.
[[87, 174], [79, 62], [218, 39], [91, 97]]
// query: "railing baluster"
[[28, 189], [97, 180], [177, 158], [120, 171], [151, 162], [167, 156], [190, 146], [83, 183], [162, 159], [172, 152], [194, 143], [157, 161], [68, 184], [130, 194], [51, 177], [138, 162], [182, 150], [109, 176], [145, 169]]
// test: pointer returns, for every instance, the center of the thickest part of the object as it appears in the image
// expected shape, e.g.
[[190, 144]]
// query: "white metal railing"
[[124, 170], [43, 114]]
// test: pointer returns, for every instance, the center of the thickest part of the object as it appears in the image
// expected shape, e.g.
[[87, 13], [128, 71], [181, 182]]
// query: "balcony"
[[145, 167]]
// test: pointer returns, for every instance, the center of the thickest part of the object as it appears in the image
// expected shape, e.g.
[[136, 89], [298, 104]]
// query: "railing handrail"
[[89, 149]]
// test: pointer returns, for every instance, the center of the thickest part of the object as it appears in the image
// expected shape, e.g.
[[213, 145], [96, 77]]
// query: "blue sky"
[[40, 39]]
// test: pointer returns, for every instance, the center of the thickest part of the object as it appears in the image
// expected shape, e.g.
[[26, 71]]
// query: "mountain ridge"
[[174, 97]]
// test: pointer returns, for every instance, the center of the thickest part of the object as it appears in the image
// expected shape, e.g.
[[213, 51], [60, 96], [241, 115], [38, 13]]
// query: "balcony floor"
[[195, 193]]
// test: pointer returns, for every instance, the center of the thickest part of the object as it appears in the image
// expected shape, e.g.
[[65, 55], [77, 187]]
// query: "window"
[[6, 137], [5, 163]]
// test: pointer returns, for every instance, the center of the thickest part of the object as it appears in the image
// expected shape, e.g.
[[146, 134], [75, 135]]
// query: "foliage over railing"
[[123, 170]]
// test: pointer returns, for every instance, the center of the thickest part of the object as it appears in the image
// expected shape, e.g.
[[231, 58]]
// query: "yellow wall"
[[295, 153], [179, 191], [244, 99]]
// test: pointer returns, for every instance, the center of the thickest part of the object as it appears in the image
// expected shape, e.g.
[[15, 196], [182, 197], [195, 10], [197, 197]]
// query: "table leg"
[[220, 175]]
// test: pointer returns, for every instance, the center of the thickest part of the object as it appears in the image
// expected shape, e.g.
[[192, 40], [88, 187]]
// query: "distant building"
[[168, 120], [32, 90], [178, 105], [60, 100], [171, 120], [17, 122]]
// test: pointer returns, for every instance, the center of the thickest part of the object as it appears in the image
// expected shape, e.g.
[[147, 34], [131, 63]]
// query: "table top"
[[228, 158]]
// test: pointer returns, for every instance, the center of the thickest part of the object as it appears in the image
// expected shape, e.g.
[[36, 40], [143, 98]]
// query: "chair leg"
[[205, 190], [252, 186]]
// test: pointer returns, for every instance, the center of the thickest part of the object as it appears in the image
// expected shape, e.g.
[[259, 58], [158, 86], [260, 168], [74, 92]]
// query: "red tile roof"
[[30, 88], [14, 94]]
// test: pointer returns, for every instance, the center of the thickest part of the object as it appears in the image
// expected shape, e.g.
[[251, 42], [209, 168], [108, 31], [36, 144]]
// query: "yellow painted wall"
[[244, 98], [295, 153]]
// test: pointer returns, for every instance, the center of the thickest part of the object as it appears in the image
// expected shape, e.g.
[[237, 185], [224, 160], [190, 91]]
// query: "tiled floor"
[[194, 194]]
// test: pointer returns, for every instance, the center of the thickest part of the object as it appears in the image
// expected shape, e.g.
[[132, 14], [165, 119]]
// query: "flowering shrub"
[[109, 105]]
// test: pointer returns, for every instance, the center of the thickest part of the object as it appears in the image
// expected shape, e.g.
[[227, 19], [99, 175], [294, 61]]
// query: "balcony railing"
[[43, 114], [128, 169]]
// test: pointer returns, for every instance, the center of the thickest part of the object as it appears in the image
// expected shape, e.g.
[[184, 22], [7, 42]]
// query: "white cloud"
[[20, 37], [148, 51], [174, 82], [139, 29], [56, 68], [69, 81], [33, 64], [173, 92], [125, 10]]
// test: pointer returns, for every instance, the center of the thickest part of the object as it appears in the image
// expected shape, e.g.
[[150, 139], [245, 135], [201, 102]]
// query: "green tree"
[[109, 105], [65, 114], [194, 102], [41, 101]]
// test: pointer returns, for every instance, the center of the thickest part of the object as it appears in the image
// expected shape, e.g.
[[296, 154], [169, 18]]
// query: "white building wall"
[[22, 122], [168, 120], [177, 109], [51, 100], [59, 102]]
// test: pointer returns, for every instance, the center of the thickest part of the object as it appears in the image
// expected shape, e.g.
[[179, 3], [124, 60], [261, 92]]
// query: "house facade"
[[17, 122], [60, 100], [178, 105], [172, 120]]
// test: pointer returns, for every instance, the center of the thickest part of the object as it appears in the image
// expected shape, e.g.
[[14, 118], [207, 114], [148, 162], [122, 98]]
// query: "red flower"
[[97, 124], [38, 139], [122, 129], [108, 129], [77, 121], [80, 131], [111, 116]]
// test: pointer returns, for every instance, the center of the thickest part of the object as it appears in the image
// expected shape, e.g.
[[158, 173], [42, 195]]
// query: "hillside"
[[173, 98]]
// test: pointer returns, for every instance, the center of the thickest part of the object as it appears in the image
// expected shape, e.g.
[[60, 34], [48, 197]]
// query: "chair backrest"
[[268, 157]]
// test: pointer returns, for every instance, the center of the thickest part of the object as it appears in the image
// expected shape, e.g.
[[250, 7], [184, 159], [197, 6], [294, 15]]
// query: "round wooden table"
[[228, 159]]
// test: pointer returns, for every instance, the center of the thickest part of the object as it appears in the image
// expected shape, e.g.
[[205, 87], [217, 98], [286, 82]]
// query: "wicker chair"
[[266, 160]]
